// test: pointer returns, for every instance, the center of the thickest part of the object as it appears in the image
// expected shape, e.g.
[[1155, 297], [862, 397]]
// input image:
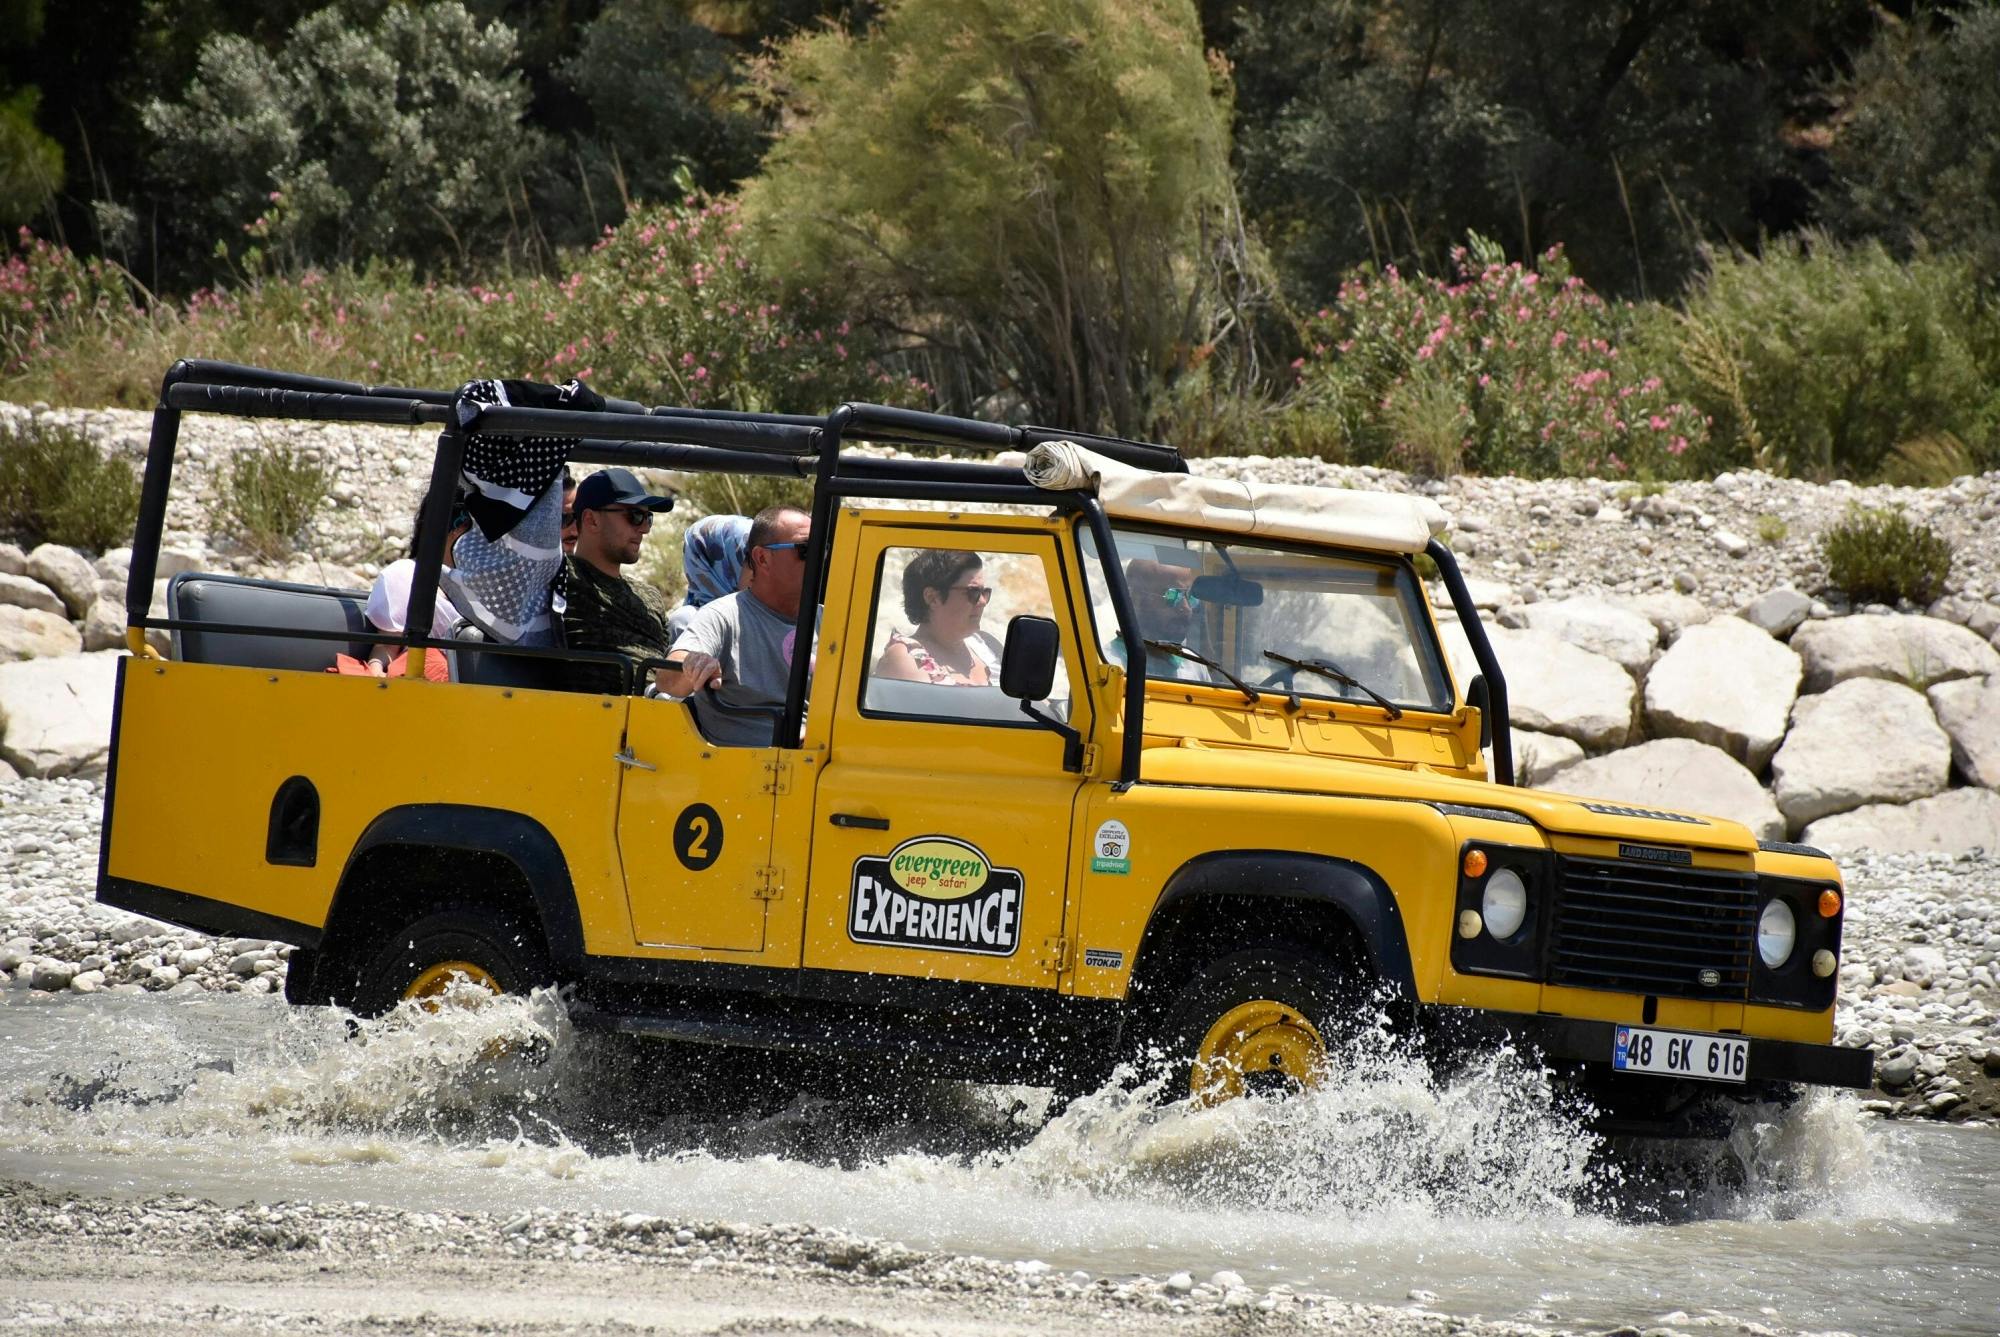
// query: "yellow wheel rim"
[[434, 980], [1253, 1045]]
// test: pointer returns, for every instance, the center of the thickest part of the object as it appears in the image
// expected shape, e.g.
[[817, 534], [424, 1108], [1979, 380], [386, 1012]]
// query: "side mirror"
[[1479, 698], [1028, 664]]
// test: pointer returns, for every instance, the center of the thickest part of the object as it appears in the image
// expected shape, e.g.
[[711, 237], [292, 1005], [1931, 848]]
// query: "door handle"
[[625, 758], [856, 820]]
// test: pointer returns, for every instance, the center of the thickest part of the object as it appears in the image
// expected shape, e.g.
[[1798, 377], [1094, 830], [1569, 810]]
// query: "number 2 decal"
[[698, 836]]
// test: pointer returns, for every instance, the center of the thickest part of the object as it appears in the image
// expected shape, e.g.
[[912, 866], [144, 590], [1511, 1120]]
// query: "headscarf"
[[712, 555]]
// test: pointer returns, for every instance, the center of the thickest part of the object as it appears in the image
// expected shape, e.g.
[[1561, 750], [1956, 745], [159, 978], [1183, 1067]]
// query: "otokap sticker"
[[1111, 849]]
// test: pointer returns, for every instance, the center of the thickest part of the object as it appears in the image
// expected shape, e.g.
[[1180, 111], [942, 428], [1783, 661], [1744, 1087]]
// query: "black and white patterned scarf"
[[506, 567]]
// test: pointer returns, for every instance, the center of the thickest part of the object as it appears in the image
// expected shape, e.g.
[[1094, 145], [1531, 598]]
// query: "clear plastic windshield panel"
[[1332, 628]]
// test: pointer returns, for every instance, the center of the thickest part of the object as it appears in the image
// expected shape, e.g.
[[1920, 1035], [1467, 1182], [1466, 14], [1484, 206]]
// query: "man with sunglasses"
[[1164, 600], [742, 644], [613, 513]]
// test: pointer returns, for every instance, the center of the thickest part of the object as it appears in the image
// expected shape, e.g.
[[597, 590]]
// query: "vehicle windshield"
[[1274, 619]]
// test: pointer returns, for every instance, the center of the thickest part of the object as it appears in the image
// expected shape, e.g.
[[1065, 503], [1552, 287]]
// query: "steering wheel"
[[1284, 677]]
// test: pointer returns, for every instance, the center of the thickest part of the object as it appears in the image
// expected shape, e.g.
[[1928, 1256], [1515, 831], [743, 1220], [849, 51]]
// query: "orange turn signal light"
[[1475, 862], [1829, 903]]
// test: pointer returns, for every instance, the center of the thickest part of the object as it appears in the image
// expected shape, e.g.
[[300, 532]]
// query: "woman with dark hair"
[[945, 596]]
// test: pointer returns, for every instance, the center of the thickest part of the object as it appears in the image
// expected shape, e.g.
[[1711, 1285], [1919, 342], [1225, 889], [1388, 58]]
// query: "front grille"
[[1641, 928]]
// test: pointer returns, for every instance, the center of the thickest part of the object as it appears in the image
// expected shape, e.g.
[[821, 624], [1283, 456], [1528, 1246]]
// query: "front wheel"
[[460, 945], [1258, 1021]]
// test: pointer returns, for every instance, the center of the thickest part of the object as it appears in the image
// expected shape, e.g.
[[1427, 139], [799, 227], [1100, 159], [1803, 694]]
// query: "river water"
[[1479, 1191]]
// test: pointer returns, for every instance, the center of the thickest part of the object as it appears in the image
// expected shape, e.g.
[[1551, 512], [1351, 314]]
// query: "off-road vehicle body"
[[1238, 862]]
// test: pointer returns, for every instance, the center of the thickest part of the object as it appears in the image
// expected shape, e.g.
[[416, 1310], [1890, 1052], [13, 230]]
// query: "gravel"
[[601, 1270]]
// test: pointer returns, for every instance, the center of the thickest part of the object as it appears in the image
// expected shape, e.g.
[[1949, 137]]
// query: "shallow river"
[[1477, 1191]]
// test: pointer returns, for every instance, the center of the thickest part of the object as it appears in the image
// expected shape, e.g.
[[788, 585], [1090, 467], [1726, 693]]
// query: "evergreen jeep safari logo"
[[936, 892]]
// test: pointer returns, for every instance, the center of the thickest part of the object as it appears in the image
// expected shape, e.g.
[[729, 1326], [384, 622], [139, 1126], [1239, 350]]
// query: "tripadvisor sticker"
[[937, 892], [1111, 849]]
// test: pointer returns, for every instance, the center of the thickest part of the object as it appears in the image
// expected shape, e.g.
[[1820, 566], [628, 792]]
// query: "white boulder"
[[1597, 626], [27, 592], [1677, 773], [32, 633], [1953, 822], [1554, 687], [1778, 611], [104, 629], [67, 572], [1866, 741], [1537, 756], [13, 562], [1670, 611], [1969, 710], [1726, 683], [1897, 647], [55, 714]]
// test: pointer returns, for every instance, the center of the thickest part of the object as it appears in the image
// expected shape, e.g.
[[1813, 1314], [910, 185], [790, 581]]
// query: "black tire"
[[491, 940], [1302, 986]]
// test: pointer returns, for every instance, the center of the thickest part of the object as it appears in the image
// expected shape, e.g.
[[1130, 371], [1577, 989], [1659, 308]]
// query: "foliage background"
[[1743, 234]]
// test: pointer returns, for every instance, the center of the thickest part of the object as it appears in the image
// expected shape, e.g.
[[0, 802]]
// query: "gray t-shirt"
[[754, 647]]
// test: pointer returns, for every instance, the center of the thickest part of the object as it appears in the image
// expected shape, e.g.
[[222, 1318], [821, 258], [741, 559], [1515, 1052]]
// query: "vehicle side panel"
[[203, 749]]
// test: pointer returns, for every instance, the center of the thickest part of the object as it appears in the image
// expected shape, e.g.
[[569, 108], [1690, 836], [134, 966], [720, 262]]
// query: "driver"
[[1163, 598]]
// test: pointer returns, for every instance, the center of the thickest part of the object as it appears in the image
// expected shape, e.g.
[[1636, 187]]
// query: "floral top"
[[985, 660]]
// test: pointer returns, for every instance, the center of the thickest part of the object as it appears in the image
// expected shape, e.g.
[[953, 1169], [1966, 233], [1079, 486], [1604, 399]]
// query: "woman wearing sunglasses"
[[945, 596]]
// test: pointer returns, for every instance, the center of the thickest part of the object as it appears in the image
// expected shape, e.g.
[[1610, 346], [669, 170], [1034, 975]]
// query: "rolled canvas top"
[[1379, 521]]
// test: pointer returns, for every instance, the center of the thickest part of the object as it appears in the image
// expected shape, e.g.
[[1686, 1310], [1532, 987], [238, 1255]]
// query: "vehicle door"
[[694, 832], [942, 813]]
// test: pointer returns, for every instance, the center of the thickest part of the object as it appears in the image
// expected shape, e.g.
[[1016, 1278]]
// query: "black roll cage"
[[701, 440]]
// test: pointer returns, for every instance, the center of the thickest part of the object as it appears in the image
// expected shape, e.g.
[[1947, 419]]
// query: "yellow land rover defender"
[[1214, 793]]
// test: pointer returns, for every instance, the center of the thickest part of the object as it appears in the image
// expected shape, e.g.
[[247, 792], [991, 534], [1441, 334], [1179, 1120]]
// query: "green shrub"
[[1818, 360], [268, 495], [666, 308], [1772, 528], [1519, 369], [1885, 557], [56, 486]]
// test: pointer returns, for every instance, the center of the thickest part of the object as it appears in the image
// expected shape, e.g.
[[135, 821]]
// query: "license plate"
[[1712, 1058]]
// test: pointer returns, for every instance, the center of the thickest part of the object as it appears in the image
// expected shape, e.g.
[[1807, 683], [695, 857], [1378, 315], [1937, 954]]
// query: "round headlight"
[[1777, 930], [1505, 903]]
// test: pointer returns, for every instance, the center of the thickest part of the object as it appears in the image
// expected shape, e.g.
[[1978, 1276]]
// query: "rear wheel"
[[1258, 1021], [464, 944]]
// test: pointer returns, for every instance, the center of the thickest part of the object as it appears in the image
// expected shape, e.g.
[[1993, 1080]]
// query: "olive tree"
[[1035, 191]]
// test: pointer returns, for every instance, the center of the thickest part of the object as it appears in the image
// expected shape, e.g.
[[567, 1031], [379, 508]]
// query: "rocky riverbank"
[[1663, 646]]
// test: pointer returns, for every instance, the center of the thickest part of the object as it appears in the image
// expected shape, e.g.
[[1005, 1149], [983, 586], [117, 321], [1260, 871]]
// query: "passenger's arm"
[[687, 672], [898, 662]]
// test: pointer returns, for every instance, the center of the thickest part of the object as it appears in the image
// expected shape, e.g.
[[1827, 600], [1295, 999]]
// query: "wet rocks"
[[1897, 647], [1865, 741], [1726, 683], [1676, 773]]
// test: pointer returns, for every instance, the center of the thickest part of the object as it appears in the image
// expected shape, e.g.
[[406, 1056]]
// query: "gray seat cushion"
[[239, 601]]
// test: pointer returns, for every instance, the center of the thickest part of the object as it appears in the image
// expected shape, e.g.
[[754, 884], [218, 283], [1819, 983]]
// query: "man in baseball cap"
[[605, 611]]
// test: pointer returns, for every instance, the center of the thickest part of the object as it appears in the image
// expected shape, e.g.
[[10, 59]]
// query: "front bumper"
[[1576, 1040]]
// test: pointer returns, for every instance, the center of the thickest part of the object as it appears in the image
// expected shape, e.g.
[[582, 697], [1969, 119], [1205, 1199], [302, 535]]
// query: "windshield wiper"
[[1250, 693], [1328, 669]]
